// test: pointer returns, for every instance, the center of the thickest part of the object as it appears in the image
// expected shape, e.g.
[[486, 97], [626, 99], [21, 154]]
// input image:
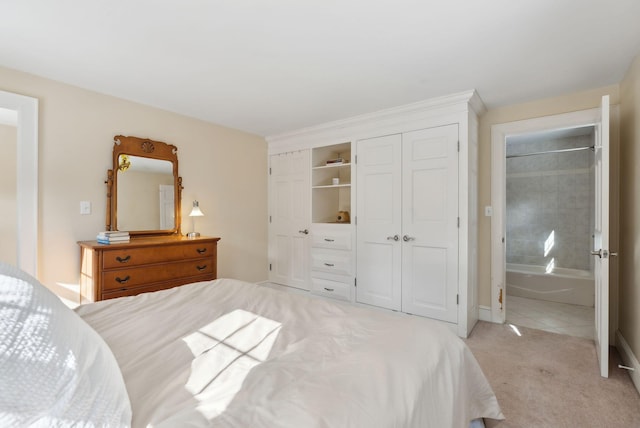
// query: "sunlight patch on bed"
[[224, 353]]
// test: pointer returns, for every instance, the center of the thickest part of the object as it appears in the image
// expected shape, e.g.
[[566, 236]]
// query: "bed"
[[227, 353]]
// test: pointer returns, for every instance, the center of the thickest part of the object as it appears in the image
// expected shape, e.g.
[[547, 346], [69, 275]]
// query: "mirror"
[[143, 188]]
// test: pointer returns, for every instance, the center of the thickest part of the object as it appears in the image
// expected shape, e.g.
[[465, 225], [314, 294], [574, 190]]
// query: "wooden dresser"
[[143, 265]]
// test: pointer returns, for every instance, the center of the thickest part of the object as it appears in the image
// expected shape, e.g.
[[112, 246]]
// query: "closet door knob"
[[393, 238], [304, 232], [407, 238]]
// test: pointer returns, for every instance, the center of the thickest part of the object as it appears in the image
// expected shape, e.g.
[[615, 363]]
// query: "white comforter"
[[232, 354]]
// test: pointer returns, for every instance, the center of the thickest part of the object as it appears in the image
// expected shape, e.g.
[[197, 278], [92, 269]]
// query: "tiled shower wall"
[[550, 200]]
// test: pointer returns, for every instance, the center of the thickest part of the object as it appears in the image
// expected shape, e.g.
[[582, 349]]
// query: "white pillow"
[[55, 370]]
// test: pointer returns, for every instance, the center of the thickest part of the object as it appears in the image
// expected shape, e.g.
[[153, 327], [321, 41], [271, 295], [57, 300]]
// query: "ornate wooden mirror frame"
[[144, 148]]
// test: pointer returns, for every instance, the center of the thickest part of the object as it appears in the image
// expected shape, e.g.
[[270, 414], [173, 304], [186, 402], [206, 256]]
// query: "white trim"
[[499, 133], [628, 359], [484, 313], [27, 178], [410, 117]]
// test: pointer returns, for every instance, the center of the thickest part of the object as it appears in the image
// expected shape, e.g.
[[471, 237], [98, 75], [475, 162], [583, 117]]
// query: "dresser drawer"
[[334, 289], [144, 264], [336, 262], [136, 276], [132, 291], [335, 239], [124, 257]]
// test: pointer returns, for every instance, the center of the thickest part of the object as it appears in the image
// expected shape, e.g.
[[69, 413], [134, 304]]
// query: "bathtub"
[[572, 286]]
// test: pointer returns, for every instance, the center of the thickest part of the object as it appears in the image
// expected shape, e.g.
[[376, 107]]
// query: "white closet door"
[[290, 219], [378, 255], [430, 223]]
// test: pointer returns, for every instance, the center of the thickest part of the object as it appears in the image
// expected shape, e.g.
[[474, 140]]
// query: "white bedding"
[[227, 353], [55, 370]]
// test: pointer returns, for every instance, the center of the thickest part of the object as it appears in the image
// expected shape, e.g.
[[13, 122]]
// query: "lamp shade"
[[195, 211]]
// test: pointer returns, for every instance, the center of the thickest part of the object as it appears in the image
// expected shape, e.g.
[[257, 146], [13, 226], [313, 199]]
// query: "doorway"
[[550, 218], [26, 109], [8, 187], [605, 187]]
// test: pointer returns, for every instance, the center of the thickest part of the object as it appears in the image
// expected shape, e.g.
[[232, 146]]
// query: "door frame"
[[499, 134], [27, 178]]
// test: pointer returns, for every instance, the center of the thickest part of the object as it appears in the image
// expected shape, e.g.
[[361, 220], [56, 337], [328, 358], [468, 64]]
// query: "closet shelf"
[[331, 186], [345, 164]]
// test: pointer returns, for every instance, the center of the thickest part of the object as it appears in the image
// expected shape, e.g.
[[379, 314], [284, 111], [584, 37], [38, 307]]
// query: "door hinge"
[[269, 170], [269, 267], [355, 220], [355, 159], [355, 282], [458, 222], [457, 299], [269, 219], [458, 145]]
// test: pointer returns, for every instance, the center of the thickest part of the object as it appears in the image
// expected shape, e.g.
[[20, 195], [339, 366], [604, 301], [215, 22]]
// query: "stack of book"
[[336, 161], [112, 237]]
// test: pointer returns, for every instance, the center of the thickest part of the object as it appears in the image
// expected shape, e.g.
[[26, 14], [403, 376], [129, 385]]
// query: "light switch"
[[85, 207]]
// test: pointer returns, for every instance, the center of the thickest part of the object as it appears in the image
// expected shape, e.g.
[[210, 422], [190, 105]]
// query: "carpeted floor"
[[546, 379]]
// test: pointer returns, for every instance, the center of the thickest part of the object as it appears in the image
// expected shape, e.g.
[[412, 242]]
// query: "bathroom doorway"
[[606, 207], [550, 217]]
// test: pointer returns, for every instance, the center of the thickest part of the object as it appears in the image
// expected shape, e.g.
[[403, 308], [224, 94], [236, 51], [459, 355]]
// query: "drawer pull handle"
[[329, 264], [123, 289], [123, 280], [329, 239], [121, 260], [201, 267], [201, 250], [328, 289]]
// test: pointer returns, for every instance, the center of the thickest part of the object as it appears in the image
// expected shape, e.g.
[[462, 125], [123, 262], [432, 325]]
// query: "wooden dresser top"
[[153, 241]]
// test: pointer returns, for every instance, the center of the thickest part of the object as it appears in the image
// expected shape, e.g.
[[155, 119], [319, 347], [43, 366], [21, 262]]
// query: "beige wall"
[[546, 107], [8, 196], [224, 169], [629, 318]]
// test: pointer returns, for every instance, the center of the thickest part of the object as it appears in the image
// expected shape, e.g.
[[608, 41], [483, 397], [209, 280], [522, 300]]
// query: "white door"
[[430, 222], [289, 219], [407, 225], [601, 238], [379, 226], [167, 202]]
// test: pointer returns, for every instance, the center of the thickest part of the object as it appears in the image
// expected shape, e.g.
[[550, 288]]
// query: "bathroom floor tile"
[[572, 320]]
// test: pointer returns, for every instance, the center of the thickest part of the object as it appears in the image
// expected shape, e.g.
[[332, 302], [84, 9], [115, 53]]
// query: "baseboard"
[[628, 359], [484, 313]]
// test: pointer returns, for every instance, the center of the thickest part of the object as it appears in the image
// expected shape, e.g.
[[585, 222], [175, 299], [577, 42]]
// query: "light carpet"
[[546, 379]]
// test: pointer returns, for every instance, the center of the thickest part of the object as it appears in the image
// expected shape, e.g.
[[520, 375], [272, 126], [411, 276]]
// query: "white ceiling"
[[273, 66]]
